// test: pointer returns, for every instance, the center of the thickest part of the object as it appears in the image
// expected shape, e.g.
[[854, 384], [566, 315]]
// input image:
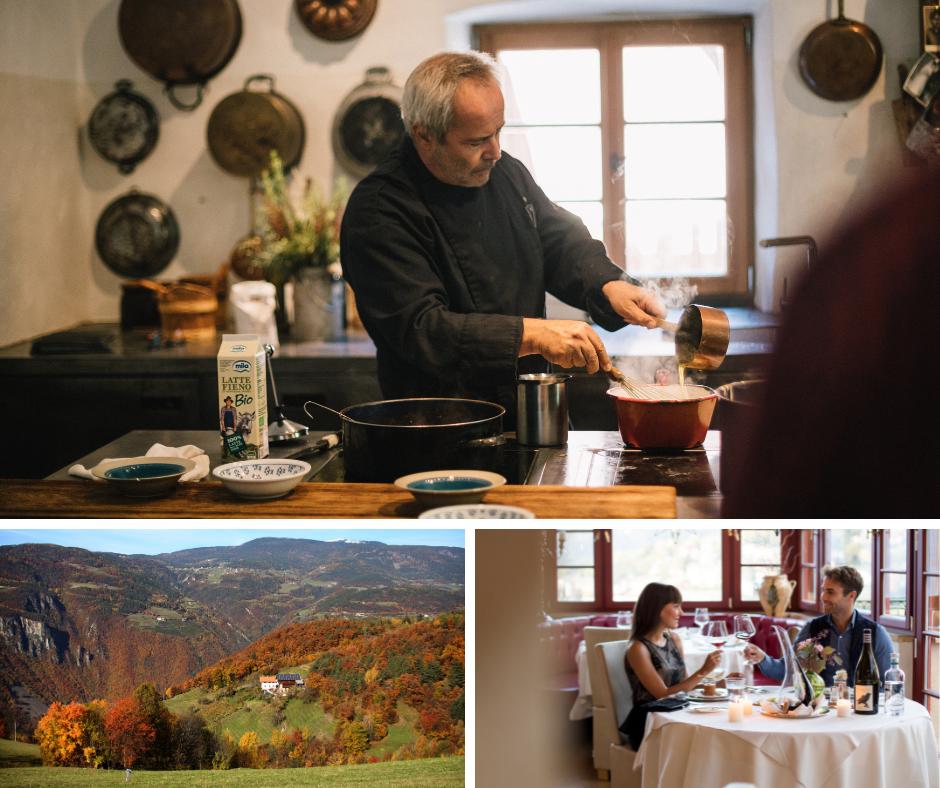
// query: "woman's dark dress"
[[670, 666]]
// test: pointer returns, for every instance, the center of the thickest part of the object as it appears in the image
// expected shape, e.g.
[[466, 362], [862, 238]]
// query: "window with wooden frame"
[[810, 569], [893, 561], [644, 130], [755, 554], [855, 547], [926, 679]]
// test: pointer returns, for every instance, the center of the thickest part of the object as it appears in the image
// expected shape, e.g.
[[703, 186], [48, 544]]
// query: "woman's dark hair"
[[652, 600]]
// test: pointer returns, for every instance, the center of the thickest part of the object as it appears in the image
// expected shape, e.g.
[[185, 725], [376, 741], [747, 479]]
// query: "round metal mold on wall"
[[336, 20], [137, 235]]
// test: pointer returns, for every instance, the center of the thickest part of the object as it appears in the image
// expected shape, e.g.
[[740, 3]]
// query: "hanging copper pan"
[[841, 59], [180, 42], [245, 126]]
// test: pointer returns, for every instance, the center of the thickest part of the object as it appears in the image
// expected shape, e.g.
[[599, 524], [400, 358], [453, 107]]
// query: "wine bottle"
[[867, 679]]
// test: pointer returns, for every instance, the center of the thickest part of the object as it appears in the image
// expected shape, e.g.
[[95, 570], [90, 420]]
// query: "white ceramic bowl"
[[442, 488], [262, 479], [477, 511], [143, 477]]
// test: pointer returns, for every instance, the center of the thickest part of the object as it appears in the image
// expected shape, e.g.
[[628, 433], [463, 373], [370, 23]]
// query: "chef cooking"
[[450, 247]]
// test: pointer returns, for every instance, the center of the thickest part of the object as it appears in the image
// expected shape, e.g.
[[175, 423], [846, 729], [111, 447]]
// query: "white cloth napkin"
[[189, 451]]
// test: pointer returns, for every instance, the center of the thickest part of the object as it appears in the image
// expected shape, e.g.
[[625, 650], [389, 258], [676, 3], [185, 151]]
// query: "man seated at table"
[[841, 627]]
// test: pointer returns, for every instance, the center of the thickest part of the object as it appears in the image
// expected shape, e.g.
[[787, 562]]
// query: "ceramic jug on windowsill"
[[775, 593]]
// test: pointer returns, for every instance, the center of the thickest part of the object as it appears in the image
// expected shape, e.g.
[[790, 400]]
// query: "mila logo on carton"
[[241, 366]]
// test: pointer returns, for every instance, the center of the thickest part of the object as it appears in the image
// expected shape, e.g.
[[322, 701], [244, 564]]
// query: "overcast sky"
[[167, 540]]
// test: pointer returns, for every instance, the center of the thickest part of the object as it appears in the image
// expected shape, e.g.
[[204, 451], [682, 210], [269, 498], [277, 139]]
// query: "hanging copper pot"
[[245, 126], [180, 42]]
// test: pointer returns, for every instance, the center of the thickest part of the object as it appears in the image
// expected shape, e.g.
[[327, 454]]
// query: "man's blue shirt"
[[841, 642]]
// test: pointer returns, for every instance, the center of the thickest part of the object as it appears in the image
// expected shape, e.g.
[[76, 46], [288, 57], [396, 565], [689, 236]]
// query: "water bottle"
[[894, 688]]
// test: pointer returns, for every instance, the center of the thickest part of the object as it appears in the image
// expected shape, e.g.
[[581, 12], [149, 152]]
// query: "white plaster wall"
[[815, 159]]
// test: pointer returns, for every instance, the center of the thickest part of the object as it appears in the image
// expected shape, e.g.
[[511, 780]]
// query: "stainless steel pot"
[[542, 409]]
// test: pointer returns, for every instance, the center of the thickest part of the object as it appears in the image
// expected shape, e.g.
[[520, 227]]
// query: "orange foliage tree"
[[129, 733]]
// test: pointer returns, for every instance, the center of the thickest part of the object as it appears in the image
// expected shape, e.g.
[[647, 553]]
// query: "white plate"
[[697, 695], [707, 709]]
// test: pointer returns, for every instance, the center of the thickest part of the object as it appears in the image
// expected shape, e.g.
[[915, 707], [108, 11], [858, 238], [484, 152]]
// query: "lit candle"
[[735, 711], [746, 706], [843, 707]]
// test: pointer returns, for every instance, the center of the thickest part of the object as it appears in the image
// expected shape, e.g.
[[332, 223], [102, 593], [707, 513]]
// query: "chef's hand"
[[568, 343], [634, 304], [753, 654]]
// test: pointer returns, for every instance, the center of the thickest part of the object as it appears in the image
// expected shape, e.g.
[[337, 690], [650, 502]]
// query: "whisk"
[[650, 391]]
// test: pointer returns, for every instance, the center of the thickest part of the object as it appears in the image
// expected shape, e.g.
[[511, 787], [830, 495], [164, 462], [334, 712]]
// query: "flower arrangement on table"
[[814, 657], [297, 231]]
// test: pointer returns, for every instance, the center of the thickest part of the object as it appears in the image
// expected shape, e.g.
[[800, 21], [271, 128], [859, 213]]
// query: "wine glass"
[[744, 628], [716, 633], [701, 618]]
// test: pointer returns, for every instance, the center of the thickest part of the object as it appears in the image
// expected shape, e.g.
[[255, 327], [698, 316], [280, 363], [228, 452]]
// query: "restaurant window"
[[689, 559], [853, 547], [574, 566], [642, 129], [810, 579], [893, 570], [758, 555], [928, 630]]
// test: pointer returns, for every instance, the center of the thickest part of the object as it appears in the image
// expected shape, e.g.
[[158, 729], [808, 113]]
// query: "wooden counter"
[[90, 499]]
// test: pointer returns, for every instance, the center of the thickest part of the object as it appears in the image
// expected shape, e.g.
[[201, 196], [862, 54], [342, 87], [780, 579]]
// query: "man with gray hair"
[[841, 627], [450, 247]]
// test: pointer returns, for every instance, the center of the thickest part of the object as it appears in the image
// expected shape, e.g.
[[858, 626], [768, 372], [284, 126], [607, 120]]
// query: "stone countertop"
[[591, 458], [752, 335]]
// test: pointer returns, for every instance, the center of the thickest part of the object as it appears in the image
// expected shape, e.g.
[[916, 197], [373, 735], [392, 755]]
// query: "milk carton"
[[243, 401]]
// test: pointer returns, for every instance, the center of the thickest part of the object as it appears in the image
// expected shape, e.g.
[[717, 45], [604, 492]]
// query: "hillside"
[[401, 682], [76, 624]]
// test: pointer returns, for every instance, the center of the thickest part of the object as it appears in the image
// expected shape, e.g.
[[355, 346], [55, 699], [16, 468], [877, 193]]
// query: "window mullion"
[[612, 144]]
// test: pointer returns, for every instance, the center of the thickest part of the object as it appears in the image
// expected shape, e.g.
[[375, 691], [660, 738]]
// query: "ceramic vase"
[[319, 308], [775, 593]]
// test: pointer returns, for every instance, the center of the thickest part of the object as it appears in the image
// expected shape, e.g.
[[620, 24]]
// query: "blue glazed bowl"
[[143, 477], [441, 488]]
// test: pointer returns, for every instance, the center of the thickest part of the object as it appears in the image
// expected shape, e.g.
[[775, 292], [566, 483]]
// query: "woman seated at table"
[[654, 662]]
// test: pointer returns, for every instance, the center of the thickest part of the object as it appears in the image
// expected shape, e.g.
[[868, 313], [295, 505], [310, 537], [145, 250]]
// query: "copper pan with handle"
[[840, 59]]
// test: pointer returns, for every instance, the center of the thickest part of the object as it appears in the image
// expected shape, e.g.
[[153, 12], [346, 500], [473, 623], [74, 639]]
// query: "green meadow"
[[424, 773]]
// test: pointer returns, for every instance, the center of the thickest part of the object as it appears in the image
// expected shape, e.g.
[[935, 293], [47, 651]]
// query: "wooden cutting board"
[[42, 498]]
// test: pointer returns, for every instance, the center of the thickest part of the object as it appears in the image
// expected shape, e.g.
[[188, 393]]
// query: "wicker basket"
[[190, 309]]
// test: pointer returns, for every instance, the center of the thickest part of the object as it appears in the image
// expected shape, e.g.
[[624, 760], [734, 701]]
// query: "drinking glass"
[[716, 633], [624, 619], [735, 684], [701, 618], [744, 628]]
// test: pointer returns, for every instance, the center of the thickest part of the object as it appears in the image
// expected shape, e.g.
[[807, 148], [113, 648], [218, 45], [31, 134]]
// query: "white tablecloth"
[[695, 650], [686, 750]]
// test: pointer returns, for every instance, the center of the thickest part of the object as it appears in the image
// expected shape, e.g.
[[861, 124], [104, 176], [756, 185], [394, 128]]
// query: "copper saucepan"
[[702, 336]]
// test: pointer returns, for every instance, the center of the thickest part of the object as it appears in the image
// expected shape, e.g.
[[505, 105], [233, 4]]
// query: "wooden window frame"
[[923, 634], [733, 33]]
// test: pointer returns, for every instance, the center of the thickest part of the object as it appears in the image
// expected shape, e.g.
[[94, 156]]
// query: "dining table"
[[826, 751]]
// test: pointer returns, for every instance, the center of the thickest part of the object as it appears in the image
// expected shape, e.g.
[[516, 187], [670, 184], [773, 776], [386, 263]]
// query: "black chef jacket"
[[443, 275]]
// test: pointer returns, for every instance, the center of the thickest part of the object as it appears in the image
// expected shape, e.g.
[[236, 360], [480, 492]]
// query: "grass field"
[[425, 773], [245, 711], [15, 753]]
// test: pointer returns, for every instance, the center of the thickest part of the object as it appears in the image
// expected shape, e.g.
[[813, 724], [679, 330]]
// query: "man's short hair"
[[428, 98], [846, 576]]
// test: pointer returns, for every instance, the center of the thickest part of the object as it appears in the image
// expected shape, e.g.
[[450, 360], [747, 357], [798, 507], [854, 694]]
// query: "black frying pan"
[[841, 59]]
